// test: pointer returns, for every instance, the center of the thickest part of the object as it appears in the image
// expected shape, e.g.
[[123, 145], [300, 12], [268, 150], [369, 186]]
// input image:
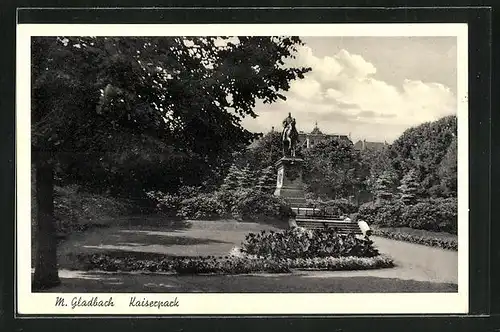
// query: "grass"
[[77, 212]]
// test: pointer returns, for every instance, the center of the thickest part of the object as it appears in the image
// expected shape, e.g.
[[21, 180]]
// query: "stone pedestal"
[[289, 184]]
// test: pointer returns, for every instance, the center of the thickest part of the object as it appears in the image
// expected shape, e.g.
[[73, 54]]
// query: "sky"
[[372, 88]]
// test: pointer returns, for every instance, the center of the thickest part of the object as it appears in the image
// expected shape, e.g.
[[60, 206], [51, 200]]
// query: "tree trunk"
[[46, 274]]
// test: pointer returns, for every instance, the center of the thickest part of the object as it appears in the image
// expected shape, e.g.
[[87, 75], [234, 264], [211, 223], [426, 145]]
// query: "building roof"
[[366, 145], [316, 130]]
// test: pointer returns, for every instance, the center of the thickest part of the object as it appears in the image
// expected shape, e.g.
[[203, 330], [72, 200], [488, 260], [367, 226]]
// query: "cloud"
[[344, 95]]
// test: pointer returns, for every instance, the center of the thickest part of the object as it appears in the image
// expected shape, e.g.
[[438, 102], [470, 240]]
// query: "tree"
[[333, 169], [182, 96], [448, 170], [383, 187], [267, 180], [375, 163], [422, 148], [409, 188], [231, 180], [265, 151], [246, 178]]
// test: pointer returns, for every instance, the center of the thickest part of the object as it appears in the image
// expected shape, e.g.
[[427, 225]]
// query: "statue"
[[289, 137]]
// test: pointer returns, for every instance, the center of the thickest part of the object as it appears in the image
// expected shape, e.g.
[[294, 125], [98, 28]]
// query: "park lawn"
[[147, 236]]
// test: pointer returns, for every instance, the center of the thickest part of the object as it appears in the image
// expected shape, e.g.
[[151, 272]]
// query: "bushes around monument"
[[258, 205], [241, 204]]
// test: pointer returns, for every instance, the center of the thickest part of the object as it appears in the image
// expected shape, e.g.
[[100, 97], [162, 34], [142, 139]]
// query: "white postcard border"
[[237, 303]]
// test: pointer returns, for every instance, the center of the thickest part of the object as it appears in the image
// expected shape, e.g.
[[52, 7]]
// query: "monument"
[[289, 184]]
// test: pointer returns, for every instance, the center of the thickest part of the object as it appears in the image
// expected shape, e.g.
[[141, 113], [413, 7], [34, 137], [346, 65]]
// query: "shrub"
[[226, 199], [166, 203], [383, 214], [257, 205], [76, 210], [203, 206], [303, 243], [433, 215], [439, 215], [243, 204], [171, 203]]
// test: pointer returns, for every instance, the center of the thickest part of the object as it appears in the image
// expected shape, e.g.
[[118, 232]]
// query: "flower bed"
[[271, 252], [306, 243], [428, 240], [226, 264]]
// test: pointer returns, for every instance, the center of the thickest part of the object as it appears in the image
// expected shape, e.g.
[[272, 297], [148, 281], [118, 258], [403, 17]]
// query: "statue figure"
[[289, 137]]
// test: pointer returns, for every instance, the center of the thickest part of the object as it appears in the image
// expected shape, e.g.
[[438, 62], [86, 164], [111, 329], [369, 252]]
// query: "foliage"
[[348, 263], [246, 177], [431, 214], [423, 149], [180, 265], [265, 151], [257, 205], [443, 243], [382, 214], [375, 162], [170, 203], [409, 188], [302, 243], [224, 264], [242, 204], [203, 206], [383, 186], [231, 180], [78, 211], [333, 169], [448, 171], [267, 180], [157, 102]]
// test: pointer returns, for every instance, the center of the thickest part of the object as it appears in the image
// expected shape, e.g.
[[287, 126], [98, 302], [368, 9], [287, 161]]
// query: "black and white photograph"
[[213, 169]]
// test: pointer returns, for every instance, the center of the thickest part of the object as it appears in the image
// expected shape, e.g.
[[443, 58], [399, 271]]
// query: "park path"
[[420, 262], [413, 262], [419, 268]]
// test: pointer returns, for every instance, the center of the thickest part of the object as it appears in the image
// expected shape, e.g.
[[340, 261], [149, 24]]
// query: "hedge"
[[438, 215], [241, 204]]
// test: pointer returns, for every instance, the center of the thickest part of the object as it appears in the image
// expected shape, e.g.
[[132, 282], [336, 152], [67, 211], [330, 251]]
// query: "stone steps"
[[342, 228], [296, 202]]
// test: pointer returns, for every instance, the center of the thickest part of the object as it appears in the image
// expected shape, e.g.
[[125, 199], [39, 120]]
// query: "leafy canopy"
[[101, 102]]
